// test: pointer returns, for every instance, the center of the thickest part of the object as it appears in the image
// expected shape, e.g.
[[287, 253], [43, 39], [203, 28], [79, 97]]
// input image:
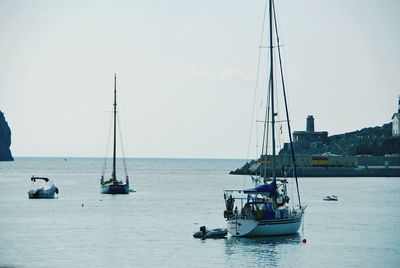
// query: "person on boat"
[[230, 203], [283, 170], [247, 211], [203, 231]]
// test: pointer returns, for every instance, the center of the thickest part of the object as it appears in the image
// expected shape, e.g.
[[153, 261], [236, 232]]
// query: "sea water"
[[153, 227]]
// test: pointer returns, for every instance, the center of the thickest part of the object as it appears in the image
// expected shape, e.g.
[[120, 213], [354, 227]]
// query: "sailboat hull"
[[248, 228], [115, 189]]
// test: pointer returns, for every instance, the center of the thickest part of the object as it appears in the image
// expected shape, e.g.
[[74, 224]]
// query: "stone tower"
[[310, 124]]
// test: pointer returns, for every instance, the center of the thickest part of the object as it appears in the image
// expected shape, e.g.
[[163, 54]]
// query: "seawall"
[[335, 172], [346, 166]]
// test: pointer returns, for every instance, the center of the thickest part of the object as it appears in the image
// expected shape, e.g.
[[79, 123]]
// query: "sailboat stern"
[[115, 189], [241, 227]]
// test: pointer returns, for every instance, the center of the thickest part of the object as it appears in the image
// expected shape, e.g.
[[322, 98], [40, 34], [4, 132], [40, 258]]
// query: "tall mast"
[[114, 175], [286, 109], [271, 85]]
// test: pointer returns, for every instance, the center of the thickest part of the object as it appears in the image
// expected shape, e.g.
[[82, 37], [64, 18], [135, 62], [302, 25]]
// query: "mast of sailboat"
[[271, 88], [286, 108], [114, 175]]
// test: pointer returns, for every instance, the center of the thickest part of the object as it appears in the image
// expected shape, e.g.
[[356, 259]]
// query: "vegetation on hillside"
[[367, 141]]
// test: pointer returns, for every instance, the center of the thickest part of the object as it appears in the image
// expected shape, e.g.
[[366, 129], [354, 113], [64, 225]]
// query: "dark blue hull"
[[115, 189]]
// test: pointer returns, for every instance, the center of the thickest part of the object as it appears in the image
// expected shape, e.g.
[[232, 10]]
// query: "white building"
[[396, 121]]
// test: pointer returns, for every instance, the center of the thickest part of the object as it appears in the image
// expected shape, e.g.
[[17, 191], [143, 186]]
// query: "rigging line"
[[266, 129], [267, 133], [104, 142], [291, 191], [114, 173], [125, 135], [257, 79], [286, 107], [107, 148], [271, 73], [123, 118], [103, 170], [278, 136], [122, 147]]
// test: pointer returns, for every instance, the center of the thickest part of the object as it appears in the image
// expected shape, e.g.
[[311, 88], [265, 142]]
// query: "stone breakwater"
[[352, 166], [5, 139]]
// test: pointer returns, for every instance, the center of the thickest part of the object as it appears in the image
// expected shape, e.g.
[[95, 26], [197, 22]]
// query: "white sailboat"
[[113, 185], [267, 209]]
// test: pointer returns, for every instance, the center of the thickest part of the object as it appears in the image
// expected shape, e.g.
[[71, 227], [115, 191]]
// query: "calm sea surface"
[[153, 227]]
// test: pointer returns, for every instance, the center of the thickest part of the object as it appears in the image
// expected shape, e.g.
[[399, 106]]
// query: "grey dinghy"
[[213, 233]]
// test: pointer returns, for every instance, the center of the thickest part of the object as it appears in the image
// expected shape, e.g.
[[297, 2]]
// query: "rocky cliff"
[[5, 140]]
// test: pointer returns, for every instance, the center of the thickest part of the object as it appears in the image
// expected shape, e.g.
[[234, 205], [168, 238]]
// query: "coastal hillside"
[[5, 140], [369, 152], [376, 141]]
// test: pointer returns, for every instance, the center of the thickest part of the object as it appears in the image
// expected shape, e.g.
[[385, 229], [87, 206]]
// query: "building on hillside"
[[310, 136], [396, 121], [307, 141]]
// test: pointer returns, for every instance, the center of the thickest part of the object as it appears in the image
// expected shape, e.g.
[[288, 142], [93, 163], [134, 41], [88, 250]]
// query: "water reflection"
[[260, 251]]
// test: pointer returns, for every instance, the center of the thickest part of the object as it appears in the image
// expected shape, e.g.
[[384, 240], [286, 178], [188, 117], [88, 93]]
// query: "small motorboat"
[[46, 189], [331, 198], [213, 233]]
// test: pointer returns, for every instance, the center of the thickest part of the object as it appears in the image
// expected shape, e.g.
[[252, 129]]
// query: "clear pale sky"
[[186, 71]]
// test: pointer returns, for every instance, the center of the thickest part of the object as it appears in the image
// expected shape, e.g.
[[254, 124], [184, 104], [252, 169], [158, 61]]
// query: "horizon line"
[[138, 157]]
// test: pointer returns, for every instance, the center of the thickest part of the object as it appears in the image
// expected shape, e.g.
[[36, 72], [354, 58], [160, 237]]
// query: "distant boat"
[[44, 190], [113, 185], [266, 209], [331, 198]]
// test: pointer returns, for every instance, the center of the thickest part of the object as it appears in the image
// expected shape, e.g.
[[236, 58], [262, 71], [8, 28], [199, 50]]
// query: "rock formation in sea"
[[5, 139]]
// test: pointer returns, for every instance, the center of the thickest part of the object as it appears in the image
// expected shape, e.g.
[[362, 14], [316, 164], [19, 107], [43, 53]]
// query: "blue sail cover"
[[265, 188]]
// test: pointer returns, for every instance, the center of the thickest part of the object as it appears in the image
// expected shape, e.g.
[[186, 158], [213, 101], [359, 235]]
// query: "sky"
[[186, 72]]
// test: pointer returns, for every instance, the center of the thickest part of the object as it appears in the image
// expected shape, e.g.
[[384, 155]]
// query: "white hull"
[[243, 227], [42, 193]]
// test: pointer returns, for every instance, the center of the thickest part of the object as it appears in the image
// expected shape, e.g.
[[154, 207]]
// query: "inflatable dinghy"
[[213, 233]]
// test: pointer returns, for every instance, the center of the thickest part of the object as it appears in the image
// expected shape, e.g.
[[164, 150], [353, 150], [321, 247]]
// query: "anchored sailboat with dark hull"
[[113, 185]]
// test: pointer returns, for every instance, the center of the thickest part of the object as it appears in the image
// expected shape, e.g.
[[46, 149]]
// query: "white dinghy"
[[42, 188]]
